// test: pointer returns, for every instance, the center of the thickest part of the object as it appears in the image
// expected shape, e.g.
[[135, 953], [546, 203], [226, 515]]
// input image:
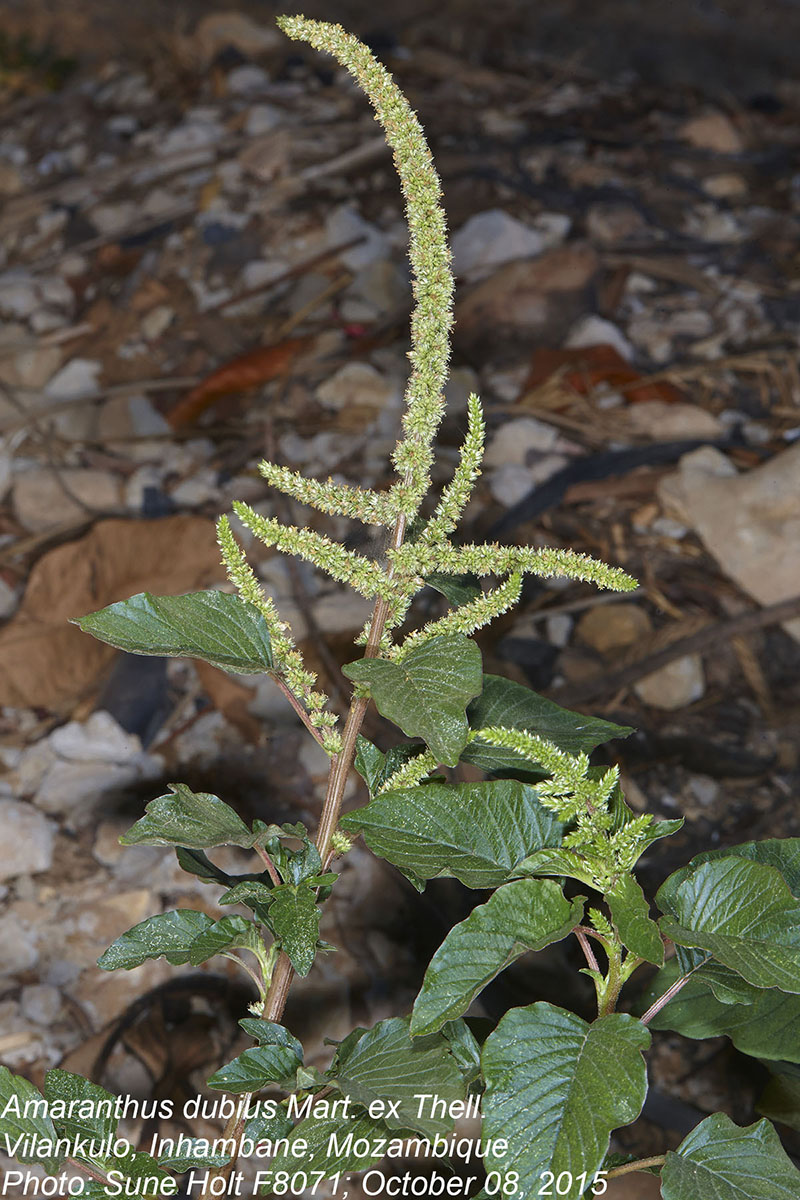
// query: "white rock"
[[491, 238], [98, 739], [679, 683], [45, 321], [19, 296], [41, 1003], [553, 227], [75, 790], [356, 383], [515, 441], [77, 378], [198, 489], [247, 79], [43, 498], [31, 368], [262, 271], [18, 945], [341, 611], [559, 628], [189, 135], [663, 421], [749, 522], [219, 30], [596, 331], [57, 292], [712, 131], [261, 118], [509, 484], [156, 321], [346, 223], [27, 843]]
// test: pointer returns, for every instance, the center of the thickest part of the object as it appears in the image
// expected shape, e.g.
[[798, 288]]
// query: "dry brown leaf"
[[48, 663], [247, 371]]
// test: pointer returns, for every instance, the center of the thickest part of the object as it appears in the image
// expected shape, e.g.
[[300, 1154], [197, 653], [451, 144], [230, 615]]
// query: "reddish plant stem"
[[669, 994], [340, 768], [588, 952], [269, 864]]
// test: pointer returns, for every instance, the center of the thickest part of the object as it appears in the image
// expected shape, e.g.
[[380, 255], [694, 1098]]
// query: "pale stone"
[[490, 239], [262, 118], [666, 422], [356, 383], [679, 683], [610, 224], [157, 321], [609, 627], [712, 131], [346, 223], [515, 441], [597, 331], [749, 522], [98, 739], [221, 30], [19, 295], [77, 378], [27, 842], [9, 599], [18, 945], [41, 1003], [41, 501], [725, 187], [247, 79]]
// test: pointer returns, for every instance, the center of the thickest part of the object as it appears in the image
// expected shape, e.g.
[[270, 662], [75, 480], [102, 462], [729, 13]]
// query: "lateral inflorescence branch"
[[467, 618], [289, 662]]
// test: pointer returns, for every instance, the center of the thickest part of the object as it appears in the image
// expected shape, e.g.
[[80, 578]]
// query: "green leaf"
[[229, 933], [427, 693], [719, 1159], [193, 819], [169, 933], [780, 1099], [192, 1152], [457, 589], [769, 1028], [558, 861], [195, 862], [477, 832], [386, 1063], [464, 1048], [743, 913], [521, 916], [270, 1033], [24, 1115], [90, 1108], [781, 853], [217, 627], [355, 1152], [630, 912], [557, 1087], [270, 1062], [513, 706], [376, 768], [264, 1126], [294, 917]]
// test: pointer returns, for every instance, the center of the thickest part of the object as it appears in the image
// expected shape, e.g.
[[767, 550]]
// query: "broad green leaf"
[[556, 1087], [427, 693], [503, 702], [630, 913], [727, 986], [478, 832], [743, 913], [457, 589], [386, 1063], [780, 1099], [721, 1161], [186, 818], [195, 862], [270, 1033], [217, 627], [254, 1069], [521, 916], [24, 1116], [169, 933], [769, 1028], [781, 853], [557, 861], [89, 1108], [188, 1153], [294, 917], [375, 767], [263, 1126], [464, 1048], [229, 933], [335, 1145]]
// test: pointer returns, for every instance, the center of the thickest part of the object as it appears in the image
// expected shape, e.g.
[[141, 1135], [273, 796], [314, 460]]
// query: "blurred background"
[[202, 263]]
